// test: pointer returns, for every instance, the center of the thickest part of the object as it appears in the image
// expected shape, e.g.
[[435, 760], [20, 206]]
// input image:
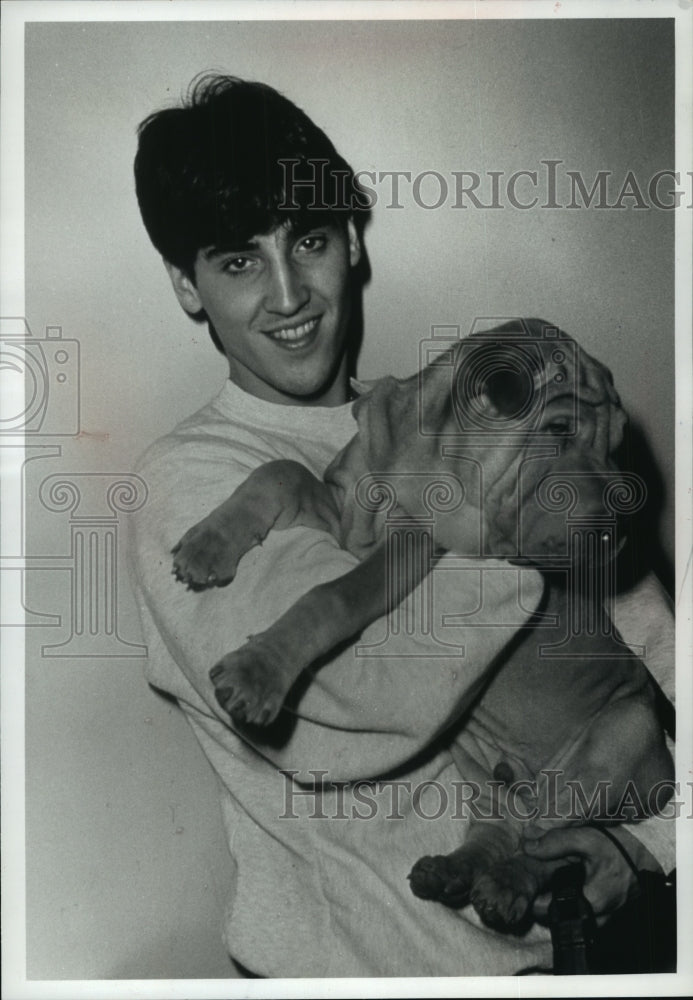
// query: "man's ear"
[[354, 244], [184, 287]]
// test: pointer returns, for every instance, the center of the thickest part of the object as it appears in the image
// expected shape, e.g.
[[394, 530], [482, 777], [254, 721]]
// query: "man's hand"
[[609, 879]]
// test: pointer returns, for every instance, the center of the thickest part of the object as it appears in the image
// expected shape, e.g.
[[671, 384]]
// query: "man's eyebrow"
[[297, 232], [211, 253], [312, 226]]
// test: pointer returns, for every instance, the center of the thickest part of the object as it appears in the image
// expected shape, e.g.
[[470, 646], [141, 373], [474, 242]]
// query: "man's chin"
[[325, 394]]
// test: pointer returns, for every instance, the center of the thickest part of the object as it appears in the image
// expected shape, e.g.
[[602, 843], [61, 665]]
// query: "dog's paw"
[[250, 685], [206, 555], [442, 877], [503, 896]]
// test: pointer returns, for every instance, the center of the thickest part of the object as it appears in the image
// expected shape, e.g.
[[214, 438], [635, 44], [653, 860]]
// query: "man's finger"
[[559, 843], [541, 906]]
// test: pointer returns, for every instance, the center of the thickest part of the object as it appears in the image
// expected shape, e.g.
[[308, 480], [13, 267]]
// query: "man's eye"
[[309, 244], [237, 265]]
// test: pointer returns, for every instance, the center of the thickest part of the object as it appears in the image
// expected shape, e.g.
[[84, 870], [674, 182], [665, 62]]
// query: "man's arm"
[[644, 616]]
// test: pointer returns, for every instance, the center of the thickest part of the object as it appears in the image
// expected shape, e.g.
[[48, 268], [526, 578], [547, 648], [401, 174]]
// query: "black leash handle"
[[572, 922], [571, 918]]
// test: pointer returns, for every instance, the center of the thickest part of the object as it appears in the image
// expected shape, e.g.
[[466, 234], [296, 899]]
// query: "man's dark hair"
[[214, 172]]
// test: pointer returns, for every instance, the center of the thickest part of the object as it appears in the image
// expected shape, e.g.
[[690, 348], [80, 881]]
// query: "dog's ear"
[[363, 386]]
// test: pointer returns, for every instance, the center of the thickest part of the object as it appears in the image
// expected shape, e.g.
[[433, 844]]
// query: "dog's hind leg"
[[275, 495], [453, 878], [489, 870]]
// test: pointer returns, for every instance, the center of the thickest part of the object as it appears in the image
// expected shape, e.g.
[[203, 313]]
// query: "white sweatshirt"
[[320, 885]]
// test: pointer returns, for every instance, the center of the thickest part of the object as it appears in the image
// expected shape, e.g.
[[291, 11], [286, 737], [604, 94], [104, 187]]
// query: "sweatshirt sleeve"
[[358, 716], [644, 616]]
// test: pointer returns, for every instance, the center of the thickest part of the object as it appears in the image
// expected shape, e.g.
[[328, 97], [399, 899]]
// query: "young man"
[[327, 810]]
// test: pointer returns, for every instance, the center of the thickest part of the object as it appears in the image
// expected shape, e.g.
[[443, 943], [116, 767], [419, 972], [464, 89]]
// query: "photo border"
[[15, 15]]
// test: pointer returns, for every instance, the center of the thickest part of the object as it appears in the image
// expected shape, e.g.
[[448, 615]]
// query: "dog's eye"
[[559, 426]]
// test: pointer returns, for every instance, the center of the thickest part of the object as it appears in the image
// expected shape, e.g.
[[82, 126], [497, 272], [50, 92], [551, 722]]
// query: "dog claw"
[[503, 897], [443, 878], [250, 684], [209, 552], [456, 892], [224, 696], [200, 582], [235, 705], [238, 712]]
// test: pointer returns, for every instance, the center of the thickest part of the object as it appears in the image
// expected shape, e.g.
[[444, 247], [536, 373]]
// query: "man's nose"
[[286, 292]]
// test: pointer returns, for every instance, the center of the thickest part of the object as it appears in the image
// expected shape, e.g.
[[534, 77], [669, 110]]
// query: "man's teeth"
[[294, 332]]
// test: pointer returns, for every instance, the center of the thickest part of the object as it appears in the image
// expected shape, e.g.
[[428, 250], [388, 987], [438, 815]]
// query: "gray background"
[[126, 868]]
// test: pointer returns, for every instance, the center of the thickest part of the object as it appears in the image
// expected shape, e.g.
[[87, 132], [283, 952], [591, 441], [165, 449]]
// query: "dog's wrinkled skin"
[[591, 715]]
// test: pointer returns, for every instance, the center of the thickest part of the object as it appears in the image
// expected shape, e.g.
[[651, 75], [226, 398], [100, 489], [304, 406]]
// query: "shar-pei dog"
[[515, 417]]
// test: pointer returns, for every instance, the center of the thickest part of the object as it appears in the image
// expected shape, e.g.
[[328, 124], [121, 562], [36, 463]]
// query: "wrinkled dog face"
[[523, 423], [527, 424], [542, 420]]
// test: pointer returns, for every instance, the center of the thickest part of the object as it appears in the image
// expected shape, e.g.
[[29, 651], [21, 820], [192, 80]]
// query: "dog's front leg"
[[275, 495], [252, 682]]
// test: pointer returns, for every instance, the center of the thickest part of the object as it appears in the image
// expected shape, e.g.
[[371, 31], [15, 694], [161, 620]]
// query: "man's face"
[[280, 307]]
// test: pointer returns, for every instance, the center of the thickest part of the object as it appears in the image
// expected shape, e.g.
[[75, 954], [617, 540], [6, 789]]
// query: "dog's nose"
[[566, 511], [594, 546]]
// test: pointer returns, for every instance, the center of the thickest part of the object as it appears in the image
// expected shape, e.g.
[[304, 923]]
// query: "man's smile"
[[297, 335]]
